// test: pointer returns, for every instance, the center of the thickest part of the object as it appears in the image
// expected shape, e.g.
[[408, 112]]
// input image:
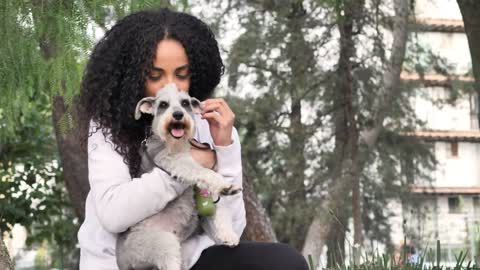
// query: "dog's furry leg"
[[149, 248], [190, 172], [219, 226]]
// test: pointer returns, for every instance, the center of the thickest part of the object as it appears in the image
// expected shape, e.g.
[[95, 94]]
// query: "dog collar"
[[199, 145]]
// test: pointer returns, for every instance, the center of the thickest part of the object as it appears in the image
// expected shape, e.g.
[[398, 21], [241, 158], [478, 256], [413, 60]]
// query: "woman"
[[138, 56]]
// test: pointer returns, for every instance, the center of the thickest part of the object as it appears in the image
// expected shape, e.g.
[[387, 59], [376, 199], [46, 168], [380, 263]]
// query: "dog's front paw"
[[228, 238], [215, 183]]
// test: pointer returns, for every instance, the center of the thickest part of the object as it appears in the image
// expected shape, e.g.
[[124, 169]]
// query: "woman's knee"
[[252, 256], [289, 258], [276, 256]]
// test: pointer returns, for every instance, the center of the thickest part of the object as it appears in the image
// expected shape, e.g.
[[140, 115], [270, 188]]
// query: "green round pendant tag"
[[204, 202]]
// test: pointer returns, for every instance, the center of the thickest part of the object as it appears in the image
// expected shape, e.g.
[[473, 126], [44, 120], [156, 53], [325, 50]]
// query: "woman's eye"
[[183, 76], [185, 103], [163, 105], [155, 77]]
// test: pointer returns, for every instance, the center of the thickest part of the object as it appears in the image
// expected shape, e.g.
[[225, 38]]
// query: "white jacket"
[[116, 201]]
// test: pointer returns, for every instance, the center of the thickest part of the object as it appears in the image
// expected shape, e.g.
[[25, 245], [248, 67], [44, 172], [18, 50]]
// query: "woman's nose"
[[173, 79], [170, 79]]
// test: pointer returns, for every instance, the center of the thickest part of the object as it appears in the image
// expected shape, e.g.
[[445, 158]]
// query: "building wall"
[[438, 9], [453, 47], [431, 219], [460, 171], [433, 106], [437, 216], [454, 228]]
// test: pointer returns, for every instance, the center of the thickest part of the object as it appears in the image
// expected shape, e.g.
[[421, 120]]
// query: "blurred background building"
[[447, 206]]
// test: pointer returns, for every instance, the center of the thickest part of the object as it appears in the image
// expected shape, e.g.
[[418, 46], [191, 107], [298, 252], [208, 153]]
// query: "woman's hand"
[[204, 157], [220, 119]]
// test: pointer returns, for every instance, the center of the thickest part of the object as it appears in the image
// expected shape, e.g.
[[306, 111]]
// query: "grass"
[[429, 260]]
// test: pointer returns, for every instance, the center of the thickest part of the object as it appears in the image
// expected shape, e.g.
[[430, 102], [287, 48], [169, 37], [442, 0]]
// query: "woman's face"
[[169, 66]]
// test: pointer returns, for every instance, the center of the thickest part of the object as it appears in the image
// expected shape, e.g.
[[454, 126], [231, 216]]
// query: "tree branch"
[[391, 77]]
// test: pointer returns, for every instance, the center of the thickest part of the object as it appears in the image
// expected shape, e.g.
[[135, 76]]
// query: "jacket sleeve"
[[229, 165], [121, 201]]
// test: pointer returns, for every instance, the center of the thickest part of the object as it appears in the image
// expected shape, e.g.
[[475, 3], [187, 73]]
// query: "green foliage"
[[277, 146], [32, 191], [285, 52], [428, 260], [286, 123], [45, 45], [44, 48], [42, 259], [25, 158]]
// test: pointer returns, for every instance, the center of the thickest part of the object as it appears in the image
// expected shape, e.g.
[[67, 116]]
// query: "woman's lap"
[[251, 256]]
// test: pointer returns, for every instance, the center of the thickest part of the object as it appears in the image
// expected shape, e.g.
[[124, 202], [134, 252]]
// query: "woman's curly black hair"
[[115, 76]]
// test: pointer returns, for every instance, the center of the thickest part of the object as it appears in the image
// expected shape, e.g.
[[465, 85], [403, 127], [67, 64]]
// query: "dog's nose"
[[177, 115]]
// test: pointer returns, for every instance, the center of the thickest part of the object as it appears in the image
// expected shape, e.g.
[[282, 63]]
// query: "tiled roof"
[[434, 79], [438, 25], [446, 190], [448, 135]]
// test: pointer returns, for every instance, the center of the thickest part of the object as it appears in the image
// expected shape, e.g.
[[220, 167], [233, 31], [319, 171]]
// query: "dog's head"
[[172, 112]]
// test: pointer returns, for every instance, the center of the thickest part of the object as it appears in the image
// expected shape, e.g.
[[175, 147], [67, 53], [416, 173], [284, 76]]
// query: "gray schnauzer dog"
[[155, 243]]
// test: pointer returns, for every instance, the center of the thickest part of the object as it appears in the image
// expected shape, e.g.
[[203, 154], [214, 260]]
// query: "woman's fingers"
[[214, 101], [213, 116], [212, 107], [217, 103], [220, 117]]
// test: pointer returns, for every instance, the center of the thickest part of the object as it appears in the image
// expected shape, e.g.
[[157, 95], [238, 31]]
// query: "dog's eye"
[[185, 103], [163, 105]]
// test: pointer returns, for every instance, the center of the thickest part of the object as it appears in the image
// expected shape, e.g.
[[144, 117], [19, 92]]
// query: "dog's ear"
[[145, 105], [196, 105]]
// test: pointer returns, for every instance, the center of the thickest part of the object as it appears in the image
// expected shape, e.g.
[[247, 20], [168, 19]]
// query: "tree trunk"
[[346, 140], [332, 227], [315, 239], [73, 157], [299, 63], [259, 228], [470, 10], [343, 182], [391, 77], [5, 261]]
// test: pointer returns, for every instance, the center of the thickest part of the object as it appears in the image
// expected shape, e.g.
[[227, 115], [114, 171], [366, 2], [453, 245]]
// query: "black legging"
[[251, 256]]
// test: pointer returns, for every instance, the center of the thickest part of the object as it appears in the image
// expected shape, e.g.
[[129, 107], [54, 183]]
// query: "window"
[[454, 149], [474, 111], [476, 205], [408, 169], [454, 205]]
